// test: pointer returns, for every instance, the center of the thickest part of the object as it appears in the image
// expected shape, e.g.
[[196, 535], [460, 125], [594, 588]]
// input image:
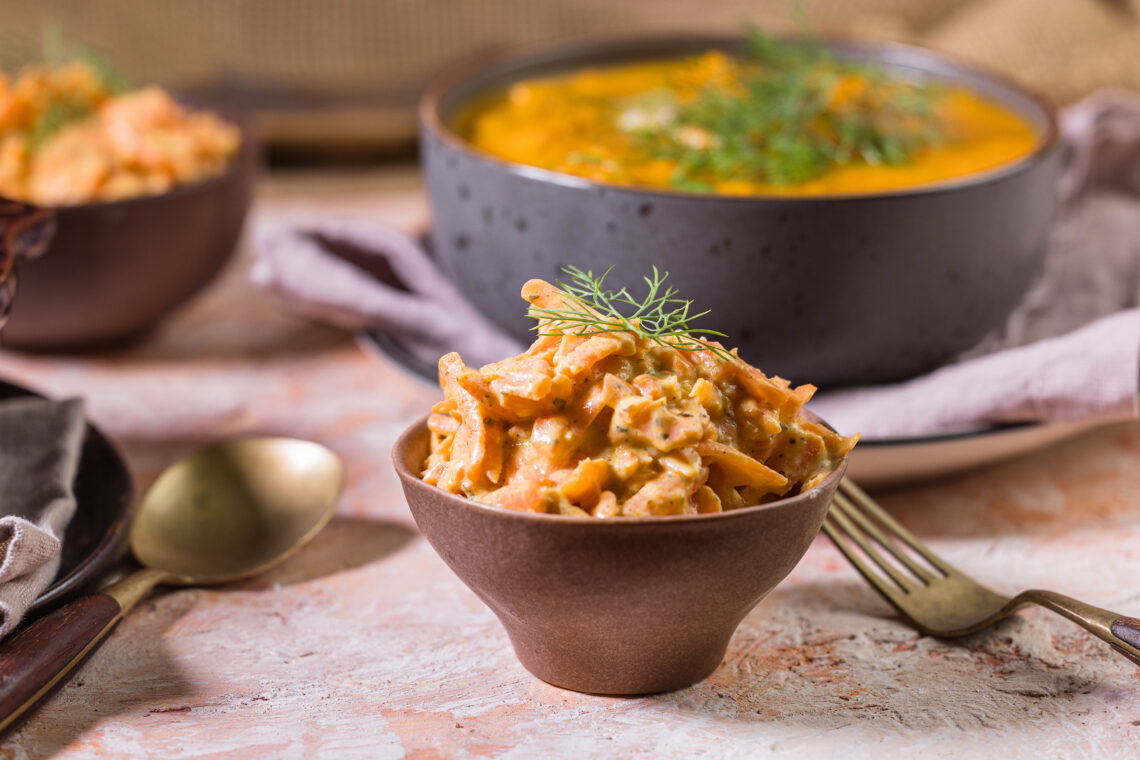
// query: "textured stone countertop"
[[365, 645]]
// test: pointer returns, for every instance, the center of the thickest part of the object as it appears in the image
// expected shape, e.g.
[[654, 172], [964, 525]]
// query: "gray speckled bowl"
[[832, 290], [629, 605]]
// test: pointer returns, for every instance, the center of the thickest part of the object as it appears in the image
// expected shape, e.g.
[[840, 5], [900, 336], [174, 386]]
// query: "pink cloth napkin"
[[359, 275], [1070, 351]]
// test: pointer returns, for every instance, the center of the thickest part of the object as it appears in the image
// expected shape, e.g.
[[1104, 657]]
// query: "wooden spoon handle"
[[37, 657]]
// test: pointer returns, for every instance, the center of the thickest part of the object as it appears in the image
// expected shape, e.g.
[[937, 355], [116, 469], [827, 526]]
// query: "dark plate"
[[95, 537], [378, 341]]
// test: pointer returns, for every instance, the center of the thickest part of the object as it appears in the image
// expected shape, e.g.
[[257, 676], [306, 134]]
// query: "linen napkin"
[[40, 446], [1071, 350], [358, 275]]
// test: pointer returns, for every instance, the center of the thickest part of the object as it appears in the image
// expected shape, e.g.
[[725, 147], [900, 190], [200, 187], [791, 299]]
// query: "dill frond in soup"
[[619, 408], [785, 118]]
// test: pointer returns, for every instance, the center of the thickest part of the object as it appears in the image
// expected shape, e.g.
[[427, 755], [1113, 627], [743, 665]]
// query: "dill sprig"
[[54, 51], [660, 316], [57, 50], [799, 111], [55, 116]]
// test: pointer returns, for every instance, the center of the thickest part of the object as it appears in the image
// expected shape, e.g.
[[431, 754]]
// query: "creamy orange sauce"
[[578, 123]]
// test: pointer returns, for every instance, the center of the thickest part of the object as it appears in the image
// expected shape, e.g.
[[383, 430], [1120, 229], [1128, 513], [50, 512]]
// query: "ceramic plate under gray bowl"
[[890, 463]]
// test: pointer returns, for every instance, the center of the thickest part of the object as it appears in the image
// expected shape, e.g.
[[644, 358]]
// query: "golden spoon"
[[226, 512]]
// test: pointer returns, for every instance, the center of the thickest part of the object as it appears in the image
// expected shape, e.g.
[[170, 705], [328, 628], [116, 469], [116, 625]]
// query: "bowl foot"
[[629, 671]]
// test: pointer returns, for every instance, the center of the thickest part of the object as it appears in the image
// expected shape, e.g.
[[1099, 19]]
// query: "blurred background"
[[341, 77]]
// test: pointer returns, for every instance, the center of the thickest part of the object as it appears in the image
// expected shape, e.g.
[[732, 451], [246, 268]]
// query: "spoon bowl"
[[235, 508]]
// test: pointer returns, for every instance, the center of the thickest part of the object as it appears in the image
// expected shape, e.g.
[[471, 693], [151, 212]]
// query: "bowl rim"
[[420, 426], [517, 59], [248, 150]]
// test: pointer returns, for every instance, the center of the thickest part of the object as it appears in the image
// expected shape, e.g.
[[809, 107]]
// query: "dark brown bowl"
[[832, 290], [614, 606], [115, 269]]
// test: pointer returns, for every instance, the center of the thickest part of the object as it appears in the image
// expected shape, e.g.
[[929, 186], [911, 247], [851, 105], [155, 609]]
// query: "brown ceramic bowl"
[[832, 290], [115, 269], [617, 606]]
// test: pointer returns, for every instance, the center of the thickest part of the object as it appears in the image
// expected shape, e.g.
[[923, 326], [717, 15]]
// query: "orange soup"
[[733, 125]]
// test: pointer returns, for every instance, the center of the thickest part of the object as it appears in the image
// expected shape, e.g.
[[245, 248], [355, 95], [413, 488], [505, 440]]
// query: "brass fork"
[[937, 598]]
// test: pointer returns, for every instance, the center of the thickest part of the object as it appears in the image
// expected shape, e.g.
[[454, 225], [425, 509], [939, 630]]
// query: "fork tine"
[[850, 510], [880, 584], [842, 524], [860, 498]]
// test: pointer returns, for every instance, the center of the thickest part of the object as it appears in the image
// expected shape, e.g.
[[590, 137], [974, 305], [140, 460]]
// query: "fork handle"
[[1120, 631]]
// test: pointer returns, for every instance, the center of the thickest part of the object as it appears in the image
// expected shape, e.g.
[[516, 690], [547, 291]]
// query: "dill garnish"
[[660, 317], [56, 51], [55, 116], [797, 112]]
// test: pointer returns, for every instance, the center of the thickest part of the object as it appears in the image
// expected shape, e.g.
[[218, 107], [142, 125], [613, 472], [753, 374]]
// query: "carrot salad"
[[613, 424], [67, 137]]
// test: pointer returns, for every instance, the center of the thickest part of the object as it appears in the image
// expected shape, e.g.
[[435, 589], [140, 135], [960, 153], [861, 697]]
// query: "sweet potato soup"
[[782, 120]]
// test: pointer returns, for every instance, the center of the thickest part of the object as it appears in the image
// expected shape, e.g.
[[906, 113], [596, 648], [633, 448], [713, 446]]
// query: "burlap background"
[[350, 69]]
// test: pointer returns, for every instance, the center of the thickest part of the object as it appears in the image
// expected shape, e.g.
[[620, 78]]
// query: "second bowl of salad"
[[149, 195]]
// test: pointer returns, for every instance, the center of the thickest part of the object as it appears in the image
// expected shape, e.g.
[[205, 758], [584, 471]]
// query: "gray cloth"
[[1070, 351], [40, 445]]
